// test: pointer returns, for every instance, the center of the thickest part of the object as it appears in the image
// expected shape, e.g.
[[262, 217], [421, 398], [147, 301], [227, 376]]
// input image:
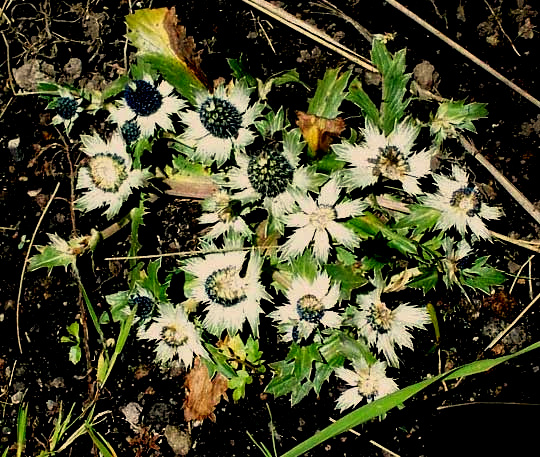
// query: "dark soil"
[[499, 403]]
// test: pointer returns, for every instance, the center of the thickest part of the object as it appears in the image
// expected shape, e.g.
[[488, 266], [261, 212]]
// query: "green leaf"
[[394, 84], [220, 360], [482, 276], [240, 71], [73, 330], [329, 94], [453, 116], [284, 77], [421, 218], [358, 96], [253, 355], [115, 87], [350, 277], [427, 280], [383, 405], [51, 256], [303, 357], [75, 354], [101, 443], [329, 163], [238, 384], [283, 381]]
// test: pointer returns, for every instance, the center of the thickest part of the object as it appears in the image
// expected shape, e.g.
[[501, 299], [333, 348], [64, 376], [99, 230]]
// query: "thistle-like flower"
[[460, 204], [455, 260], [220, 123], [220, 211], [315, 220], [230, 298], [369, 382], [388, 156], [145, 301], [67, 108], [107, 175], [310, 302], [273, 175], [176, 337], [385, 328], [147, 105]]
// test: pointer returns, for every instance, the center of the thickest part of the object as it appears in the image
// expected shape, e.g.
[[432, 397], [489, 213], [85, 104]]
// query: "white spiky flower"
[[145, 105], [107, 176], [386, 328], [145, 301], [219, 211], [389, 156], [230, 298], [460, 204], [309, 306], [369, 382], [67, 108], [455, 260], [220, 123], [315, 221], [176, 337], [273, 175]]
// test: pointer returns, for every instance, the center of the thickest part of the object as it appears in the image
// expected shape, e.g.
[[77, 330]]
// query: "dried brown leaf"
[[203, 394], [319, 132]]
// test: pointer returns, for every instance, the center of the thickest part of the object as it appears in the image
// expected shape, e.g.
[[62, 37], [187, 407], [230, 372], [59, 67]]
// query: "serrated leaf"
[[329, 94], [350, 277], [114, 88], [301, 392], [453, 116], [283, 381], [421, 219], [50, 257], [358, 96], [288, 76], [240, 71], [303, 357], [481, 276], [220, 360], [427, 280], [164, 45]]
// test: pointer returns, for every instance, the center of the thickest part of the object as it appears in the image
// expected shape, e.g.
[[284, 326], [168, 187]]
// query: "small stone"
[[179, 441]]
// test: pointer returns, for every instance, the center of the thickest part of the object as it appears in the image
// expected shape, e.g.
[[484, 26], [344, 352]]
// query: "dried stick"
[[26, 262], [516, 194], [337, 12], [463, 51], [312, 32], [501, 27]]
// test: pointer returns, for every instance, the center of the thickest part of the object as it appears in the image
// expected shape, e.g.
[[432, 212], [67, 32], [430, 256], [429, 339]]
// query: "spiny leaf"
[[358, 96], [329, 94]]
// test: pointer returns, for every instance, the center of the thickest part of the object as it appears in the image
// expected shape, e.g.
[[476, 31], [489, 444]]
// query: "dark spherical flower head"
[[145, 305], [270, 173], [310, 309], [220, 117], [66, 107], [144, 99], [131, 131]]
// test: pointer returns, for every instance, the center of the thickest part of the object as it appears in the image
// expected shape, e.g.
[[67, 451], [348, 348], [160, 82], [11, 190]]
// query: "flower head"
[[385, 328], [176, 337], [146, 105], [460, 204], [107, 175], [219, 123], [309, 306], [67, 108], [455, 260], [273, 176], [369, 382], [230, 297], [219, 210], [388, 156], [315, 220], [145, 301]]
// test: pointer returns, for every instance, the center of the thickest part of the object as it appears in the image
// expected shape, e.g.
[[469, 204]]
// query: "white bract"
[[388, 156], [273, 176], [144, 106], [369, 382], [309, 306], [455, 260], [230, 298], [387, 328], [219, 123], [219, 211], [315, 221], [176, 337], [460, 204], [107, 176]]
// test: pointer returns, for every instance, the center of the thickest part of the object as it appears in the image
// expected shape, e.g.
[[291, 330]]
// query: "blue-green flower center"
[[270, 173], [66, 107], [174, 335], [310, 308], [145, 305], [468, 200], [131, 131], [220, 117], [380, 317], [108, 172], [390, 163], [225, 287], [144, 99]]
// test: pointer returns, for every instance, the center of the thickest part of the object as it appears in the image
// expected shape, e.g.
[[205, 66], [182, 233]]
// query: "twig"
[[531, 295], [501, 27], [337, 12], [518, 196], [518, 274], [499, 403], [6, 106], [264, 33], [26, 262], [8, 61], [509, 327], [463, 51], [312, 32], [530, 245]]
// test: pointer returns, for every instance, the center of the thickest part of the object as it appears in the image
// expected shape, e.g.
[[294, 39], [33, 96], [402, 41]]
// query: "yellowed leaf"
[[203, 394], [319, 132]]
